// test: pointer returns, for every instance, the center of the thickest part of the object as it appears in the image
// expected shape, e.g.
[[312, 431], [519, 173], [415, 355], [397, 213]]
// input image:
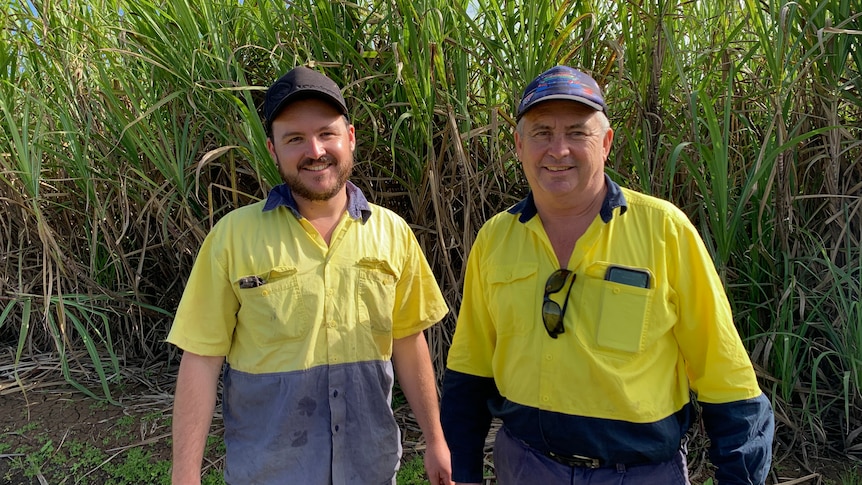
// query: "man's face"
[[312, 144], [562, 146]]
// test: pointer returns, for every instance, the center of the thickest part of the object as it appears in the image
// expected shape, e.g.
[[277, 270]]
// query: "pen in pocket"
[[251, 282]]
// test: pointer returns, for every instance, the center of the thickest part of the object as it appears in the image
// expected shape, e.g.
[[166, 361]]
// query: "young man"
[[306, 296]]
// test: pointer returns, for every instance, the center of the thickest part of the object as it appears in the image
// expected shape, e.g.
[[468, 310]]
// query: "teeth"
[[317, 168], [557, 169]]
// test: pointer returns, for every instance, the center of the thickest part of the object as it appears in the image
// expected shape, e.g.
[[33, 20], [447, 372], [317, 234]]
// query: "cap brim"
[[568, 97], [306, 94]]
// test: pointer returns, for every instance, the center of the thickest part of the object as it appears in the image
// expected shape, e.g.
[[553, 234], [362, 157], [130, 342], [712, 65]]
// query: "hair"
[[267, 125], [604, 123]]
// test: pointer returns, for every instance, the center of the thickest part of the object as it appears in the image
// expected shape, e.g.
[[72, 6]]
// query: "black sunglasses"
[[552, 314]]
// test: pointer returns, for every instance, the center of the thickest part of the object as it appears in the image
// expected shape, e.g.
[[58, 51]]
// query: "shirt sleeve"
[[466, 421], [469, 384], [736, 414], [717, 363], [206, 316], [740, 435], [475, 337], [419, 303]]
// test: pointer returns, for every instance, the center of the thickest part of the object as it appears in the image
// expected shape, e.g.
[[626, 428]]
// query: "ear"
[[518, 144], [608, 141], [270, 146], [351, 134]]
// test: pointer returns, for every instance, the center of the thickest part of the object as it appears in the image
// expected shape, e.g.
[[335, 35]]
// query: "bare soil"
[[49, 416]]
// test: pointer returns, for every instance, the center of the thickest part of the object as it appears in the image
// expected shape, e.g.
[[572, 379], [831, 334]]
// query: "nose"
[[558, 147], [315, 148]]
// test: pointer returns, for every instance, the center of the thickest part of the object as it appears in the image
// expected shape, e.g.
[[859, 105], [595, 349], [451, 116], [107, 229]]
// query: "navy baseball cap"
[[562, 82], [300, 83]]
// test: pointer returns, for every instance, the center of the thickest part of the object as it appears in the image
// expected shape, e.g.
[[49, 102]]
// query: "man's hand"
[[412, 362], [438, 464]]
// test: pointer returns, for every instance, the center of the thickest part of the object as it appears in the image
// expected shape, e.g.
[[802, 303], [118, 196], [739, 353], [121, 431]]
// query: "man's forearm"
[[466, 421], [194, 403], [415, 373], [741, 435]]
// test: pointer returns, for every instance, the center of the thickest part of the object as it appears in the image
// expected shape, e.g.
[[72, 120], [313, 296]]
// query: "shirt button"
[[549, 357], [335, 393], [616, 291], [336, 428], [265, 292], [545, 398]]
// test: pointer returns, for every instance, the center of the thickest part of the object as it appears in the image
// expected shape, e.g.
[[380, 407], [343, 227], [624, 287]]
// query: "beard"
[[299, 188]]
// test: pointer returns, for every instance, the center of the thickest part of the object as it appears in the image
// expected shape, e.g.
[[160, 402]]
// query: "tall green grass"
[[130, 127]]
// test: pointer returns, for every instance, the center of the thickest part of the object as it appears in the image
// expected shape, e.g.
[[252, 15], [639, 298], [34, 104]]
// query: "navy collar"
[[613, 198], [357, 205]]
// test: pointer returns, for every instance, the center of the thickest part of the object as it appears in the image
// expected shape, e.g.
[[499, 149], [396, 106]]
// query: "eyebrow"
[[329, 127], [290, 135], [541, 126]]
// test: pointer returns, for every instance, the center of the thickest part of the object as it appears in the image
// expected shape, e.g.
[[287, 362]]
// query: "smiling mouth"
[[558, 169], [318, 165]]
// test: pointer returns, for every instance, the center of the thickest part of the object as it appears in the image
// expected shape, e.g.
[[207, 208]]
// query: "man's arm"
[[740, 435], [466, 421], [412, 362], [469, 384], [194, 403], [736, 414]]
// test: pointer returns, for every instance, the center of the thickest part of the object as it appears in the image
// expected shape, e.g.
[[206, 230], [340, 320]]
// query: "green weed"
[[137, 467], [412, 472], [852, 476]]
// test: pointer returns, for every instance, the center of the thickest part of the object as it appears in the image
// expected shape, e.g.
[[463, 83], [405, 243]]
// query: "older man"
[[590, 313]]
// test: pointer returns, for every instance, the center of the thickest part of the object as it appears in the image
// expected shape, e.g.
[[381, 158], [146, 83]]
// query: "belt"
[[574, 460]]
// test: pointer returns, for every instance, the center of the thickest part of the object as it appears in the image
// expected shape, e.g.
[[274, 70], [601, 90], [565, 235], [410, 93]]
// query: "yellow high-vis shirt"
[[316, 304], [628, 353], [307, 330]]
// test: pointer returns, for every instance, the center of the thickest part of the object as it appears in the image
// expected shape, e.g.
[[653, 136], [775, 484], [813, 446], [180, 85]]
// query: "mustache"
[[306, 162]]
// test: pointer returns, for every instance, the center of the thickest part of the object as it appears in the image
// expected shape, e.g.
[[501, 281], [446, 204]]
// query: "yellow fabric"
[[319, 305], [627, 353]]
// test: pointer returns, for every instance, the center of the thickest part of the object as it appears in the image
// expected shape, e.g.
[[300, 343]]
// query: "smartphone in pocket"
[[628, 276]]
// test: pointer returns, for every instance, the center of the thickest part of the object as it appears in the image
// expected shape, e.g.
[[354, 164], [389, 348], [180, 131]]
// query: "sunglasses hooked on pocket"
[[552, 313]]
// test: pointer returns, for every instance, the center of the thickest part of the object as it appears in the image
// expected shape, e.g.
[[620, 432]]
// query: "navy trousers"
[[516, 463]]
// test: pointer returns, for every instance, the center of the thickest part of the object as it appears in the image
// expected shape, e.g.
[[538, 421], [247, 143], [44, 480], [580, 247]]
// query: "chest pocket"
[[375, 297], [623, 316], [276, 304], [623, 311], [514, 304]]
